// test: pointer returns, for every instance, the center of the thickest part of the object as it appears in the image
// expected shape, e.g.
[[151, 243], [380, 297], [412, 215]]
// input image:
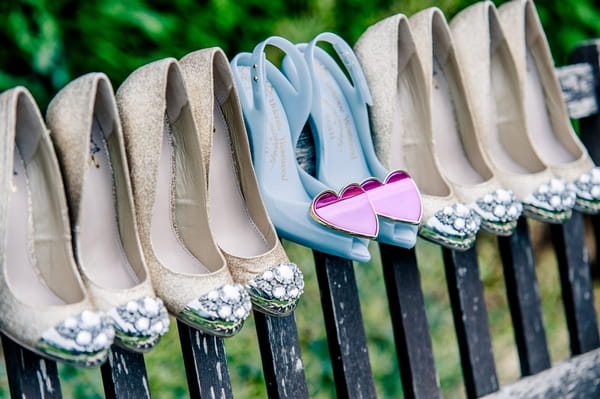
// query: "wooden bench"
[[124, 376]]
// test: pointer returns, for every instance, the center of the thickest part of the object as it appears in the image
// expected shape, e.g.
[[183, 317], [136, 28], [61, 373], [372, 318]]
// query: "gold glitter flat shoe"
[[187, 269], [86, 131], [44, 304]]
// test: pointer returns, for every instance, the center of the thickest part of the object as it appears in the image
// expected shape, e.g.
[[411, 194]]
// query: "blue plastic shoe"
[[275, 110], [343, 144]]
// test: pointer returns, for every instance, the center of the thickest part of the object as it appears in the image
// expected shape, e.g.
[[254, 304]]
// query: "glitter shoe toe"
[[140, 323], [454, 227], [587, 189], [552, 202], [82, 340], [499, 212], [220, 312], [277, 290]]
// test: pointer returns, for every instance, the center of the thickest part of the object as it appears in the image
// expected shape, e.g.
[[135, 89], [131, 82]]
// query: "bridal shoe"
[[450, 122], [168, 181], [548, 123], [275, 110], [43, 302], [86, 131], [492, 82], [343, 146], [402, 134], [238, 219]]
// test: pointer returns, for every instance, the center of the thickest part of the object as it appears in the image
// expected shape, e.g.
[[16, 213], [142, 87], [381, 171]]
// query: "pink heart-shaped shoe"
[[398, 198], [351, 212]]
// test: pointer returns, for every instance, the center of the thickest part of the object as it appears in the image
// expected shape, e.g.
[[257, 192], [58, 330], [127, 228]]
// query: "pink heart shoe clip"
[[351, 212], [397, 198]]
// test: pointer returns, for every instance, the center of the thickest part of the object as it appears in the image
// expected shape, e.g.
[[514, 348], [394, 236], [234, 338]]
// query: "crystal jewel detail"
[[283, 282], [455, 220], [499, 206], [587, 186], [554, 195], [145, 316], [229, 302], [86, 332]]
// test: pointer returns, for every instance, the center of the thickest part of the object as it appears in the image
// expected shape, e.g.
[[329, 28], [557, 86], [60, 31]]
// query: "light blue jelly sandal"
[[343, 143], [275, 110]]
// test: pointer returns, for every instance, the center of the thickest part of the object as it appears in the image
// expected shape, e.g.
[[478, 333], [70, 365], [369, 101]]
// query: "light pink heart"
[[397, 198], [350, 212]]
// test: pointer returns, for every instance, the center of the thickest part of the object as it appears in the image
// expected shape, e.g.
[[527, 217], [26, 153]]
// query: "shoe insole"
[[168, 247], [339, 153], [410, 148], [23, 277], [230, 222], [449, 146], [100, 248], [278, 152], [541, 131]]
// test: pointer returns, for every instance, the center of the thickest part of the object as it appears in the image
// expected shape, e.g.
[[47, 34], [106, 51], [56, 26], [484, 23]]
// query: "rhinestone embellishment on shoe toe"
[[499, 211], [453, 226], [552, 202], [277, 290], [140, 323], [587, 189], [82, 340], [220, 312]]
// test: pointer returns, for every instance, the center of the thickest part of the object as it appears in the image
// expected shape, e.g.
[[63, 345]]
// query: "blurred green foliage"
[[46, 43]]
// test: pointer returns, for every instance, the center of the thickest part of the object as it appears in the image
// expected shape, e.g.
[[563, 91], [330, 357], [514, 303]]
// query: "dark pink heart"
[[350, 212], [397, 198]]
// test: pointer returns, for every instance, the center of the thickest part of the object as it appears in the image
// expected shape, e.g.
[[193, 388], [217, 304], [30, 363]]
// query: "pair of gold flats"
[[163, 213]]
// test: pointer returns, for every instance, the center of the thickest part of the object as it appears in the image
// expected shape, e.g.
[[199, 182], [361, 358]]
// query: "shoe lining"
[[339, 153], [167, 243], [231, 224], [539, 123], [25, 280], [100, 249], [449, 145], [410, 139]]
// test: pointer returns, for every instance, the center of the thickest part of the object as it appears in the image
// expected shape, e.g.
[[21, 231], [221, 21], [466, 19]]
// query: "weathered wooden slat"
[[524, 299], [576, 284], [205, 364], [471, 322], [574, 378], [281, 358], [577, 84], [344, 326], [29, 375], [589, 52], [411, 332], [124, 375]]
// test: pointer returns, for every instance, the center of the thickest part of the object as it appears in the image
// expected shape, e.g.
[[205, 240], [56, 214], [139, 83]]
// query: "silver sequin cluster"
[[229, 302], [283, 282], [142, 317], [588, 185], [86, 332], [458, 219], [499, 206], [554, 196]]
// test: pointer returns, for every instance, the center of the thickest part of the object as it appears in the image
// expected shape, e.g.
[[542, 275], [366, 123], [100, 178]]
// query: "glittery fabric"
[[70, 115], [521, 26], [472, 30], [207, 75], [142, 104], [23, 322]]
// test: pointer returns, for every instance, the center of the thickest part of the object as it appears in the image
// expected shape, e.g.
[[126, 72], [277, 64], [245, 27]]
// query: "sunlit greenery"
[[46, 43]]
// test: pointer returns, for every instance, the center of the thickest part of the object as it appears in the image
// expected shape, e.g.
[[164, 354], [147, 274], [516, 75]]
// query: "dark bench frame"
[[577, 377]]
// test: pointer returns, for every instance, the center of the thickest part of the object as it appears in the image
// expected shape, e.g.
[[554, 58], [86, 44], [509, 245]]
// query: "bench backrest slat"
[[124, 375], [409, 321], [522, 291], [344, 326]]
